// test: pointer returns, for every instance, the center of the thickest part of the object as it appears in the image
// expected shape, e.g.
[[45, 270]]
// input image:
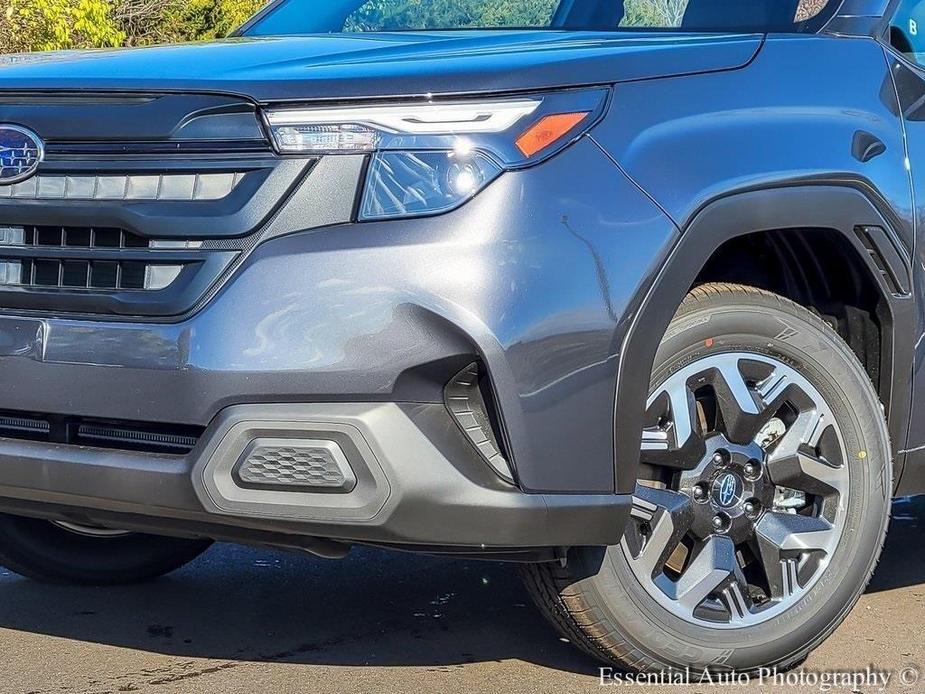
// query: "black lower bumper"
[[418, 484]]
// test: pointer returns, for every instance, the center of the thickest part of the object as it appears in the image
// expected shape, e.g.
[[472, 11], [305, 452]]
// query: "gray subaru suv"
[[629, 292]]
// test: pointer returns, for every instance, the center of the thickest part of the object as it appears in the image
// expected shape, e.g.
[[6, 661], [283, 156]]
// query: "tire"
[[52, 553], [775, 601]]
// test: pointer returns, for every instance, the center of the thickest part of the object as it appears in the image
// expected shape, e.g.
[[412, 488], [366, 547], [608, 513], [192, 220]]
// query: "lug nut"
[[752, 508], [720, 523], [719, 458], [752, 470], [699, 492]]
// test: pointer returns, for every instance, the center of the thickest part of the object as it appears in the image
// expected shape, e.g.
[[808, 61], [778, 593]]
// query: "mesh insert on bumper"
[[289, 464]]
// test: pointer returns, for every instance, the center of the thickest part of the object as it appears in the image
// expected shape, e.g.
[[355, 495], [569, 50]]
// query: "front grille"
[[162, 187], [158, 166], [75, 257], [70, 237], [175, 439]]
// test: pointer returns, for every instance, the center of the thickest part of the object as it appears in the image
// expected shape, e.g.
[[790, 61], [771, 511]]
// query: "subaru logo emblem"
[[21, 152], [726, 490]]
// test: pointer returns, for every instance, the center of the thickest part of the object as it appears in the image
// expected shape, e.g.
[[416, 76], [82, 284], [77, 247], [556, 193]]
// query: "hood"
[[334, 66]]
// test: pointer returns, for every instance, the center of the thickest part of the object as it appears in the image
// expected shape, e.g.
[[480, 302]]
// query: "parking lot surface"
[[259, 622]]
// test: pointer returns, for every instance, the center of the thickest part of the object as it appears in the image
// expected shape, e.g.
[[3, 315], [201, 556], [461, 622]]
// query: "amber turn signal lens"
[[547, 131]]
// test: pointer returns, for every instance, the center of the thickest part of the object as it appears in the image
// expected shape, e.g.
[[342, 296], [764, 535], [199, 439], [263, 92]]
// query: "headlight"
[[432, 157], [411, 184]]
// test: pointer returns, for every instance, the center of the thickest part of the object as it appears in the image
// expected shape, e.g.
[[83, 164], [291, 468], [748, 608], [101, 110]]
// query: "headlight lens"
[[408, 184], [431, 157]]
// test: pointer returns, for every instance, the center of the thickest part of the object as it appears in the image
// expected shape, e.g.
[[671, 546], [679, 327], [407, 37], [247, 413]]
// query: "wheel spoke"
[[782, 538], [793, 463], [736, 599], [679, 443], [791, 532], [669, 515], [745, 410], [712, 570], [734, 397]]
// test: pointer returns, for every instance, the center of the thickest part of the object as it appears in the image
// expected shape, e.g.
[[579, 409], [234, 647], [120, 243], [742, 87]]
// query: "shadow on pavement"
[[373, 608], [903, 560]]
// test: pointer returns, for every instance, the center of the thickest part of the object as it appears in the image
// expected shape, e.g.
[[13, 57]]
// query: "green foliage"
[[653, 13], [383, 15], [170, 21], [54, 24], [50, 24], [41, 25]]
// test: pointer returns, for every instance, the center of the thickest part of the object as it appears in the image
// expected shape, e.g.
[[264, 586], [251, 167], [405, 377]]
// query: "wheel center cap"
[[727, 490]]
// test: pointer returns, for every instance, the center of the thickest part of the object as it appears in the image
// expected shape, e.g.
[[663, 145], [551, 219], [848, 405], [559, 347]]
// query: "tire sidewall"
[[41, 550]]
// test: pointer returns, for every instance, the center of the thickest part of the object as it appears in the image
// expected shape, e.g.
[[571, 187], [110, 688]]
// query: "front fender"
[[840, 207]]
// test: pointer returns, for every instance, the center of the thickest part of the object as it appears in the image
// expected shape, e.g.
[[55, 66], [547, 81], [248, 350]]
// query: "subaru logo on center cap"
[[21, 152], [726, 490]]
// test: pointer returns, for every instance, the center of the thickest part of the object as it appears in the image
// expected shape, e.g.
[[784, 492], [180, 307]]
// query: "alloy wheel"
[[745, 490]]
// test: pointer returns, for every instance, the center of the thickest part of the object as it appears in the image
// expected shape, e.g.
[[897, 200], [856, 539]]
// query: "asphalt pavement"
[[261, 622]]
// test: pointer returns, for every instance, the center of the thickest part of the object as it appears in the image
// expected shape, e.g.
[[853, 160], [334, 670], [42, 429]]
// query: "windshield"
[[351, 16]]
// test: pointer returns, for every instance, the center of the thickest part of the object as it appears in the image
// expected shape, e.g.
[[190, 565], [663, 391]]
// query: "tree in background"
[[169, 21], [654, 13], [53, 24], [49, 24], [41, 25], [382, 15]]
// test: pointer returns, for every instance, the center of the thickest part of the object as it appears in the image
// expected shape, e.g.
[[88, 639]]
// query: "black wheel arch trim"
[[843, 206]]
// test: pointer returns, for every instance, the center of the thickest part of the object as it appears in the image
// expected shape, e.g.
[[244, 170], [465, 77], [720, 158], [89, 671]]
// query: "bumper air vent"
[[173, 439], [468, 399], [128, 437], [24, 427]]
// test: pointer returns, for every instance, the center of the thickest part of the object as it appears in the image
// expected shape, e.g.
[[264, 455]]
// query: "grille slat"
[[160, 187], [83, 258]]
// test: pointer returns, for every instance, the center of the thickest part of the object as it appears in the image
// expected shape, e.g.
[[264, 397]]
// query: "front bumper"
[[419, 485], [535, 279]]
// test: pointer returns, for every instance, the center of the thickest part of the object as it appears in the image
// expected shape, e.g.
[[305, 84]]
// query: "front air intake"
[[171, 439], [114, 435], [469, 405]]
